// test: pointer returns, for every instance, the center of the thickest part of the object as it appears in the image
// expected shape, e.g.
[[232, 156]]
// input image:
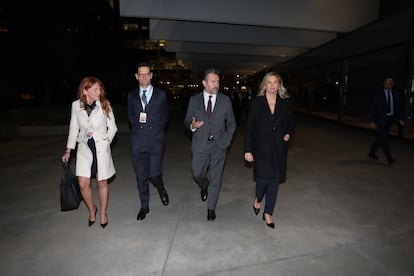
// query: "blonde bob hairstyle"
[[281, 91]]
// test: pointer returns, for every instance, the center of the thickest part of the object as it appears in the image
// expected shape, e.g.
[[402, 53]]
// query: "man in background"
[[385, 109]]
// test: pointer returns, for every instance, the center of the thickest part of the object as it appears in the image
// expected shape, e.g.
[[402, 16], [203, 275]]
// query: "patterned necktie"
[[209, 108], [144, 97]]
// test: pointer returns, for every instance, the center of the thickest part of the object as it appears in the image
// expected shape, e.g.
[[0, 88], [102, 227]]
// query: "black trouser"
[[148, 168], [382, 138], [267, 187]]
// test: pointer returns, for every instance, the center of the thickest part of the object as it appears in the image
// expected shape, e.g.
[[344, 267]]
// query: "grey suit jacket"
[[222, 125]]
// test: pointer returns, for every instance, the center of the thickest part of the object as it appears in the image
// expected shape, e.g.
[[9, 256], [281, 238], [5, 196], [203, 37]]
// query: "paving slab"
[[339, 213]]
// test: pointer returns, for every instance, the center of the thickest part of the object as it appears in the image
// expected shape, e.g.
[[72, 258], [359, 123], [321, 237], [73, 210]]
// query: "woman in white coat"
[[92, 126]]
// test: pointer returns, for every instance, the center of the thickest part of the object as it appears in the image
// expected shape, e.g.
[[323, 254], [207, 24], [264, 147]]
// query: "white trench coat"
[[104, 130]]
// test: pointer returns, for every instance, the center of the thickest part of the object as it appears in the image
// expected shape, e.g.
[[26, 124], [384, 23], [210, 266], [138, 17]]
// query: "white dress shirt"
[[213, 100]]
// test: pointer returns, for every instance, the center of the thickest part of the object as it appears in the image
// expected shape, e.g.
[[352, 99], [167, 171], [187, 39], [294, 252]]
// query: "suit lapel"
[[138, 101], [217, 106], [97, 109], [265, 106], [202, 106], [278, 110], [82, 112], [153, 99]]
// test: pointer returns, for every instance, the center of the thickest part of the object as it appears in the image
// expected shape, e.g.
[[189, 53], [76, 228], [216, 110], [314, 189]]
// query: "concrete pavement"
[[338, 214]]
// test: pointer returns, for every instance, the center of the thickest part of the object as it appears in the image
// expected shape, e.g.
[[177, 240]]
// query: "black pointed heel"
[[271, 225], [256, 210], [90, 222], [103, 225]]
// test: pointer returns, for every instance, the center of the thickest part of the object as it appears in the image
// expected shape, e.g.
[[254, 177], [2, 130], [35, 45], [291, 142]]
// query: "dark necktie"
[[144, 98], [389, 102], [209, 111], [209, 108]]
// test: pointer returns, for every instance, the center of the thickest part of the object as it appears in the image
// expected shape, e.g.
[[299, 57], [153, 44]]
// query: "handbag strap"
[[66, 168]]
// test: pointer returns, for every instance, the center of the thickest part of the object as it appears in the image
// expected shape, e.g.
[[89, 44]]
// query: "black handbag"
[[70, 195]]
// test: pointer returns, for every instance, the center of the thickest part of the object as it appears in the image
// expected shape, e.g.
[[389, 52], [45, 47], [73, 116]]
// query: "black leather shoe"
[[90, 222], [271, 225], [211, 214], [142, 213], [164, 197], [373, 156], [204, 194]]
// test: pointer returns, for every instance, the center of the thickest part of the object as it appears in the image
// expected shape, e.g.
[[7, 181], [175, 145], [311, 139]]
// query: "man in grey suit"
[[211, 120]]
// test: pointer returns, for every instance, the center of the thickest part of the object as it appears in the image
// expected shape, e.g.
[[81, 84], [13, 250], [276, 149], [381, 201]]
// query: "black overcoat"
[[264, 136]]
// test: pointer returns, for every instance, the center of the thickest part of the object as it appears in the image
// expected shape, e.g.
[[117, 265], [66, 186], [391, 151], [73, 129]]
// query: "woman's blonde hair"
[[281, 91], [87, 83]]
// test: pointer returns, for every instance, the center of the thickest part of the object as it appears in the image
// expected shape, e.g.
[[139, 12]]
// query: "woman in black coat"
[[270, 124]]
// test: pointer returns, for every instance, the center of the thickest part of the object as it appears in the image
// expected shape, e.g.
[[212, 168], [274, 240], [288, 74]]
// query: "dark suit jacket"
[[264, 136], [222, 125], [379, 108], [152, 132]]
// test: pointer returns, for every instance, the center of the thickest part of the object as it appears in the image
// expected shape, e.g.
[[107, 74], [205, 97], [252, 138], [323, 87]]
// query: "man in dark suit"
[[148, 116], [385, 108], [211, 120]]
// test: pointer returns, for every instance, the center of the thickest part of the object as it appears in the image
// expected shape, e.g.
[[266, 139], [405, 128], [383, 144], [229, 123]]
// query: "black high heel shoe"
[[256, 210], [271, 225], [103, 225], [90, 222]]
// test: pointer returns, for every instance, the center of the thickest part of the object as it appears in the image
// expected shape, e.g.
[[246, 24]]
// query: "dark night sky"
[[50, 49]]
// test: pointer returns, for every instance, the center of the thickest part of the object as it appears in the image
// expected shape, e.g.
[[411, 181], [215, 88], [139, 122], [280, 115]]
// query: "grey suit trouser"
[[212, 160]]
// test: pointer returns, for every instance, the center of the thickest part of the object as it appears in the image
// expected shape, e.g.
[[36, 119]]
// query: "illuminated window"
[[130, 26]]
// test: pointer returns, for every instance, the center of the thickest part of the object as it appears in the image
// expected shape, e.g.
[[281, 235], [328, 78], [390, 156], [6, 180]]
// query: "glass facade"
[[338, 80]]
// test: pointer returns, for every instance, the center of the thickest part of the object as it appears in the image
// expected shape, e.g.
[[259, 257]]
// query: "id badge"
[[143, 117], [89, 132]]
